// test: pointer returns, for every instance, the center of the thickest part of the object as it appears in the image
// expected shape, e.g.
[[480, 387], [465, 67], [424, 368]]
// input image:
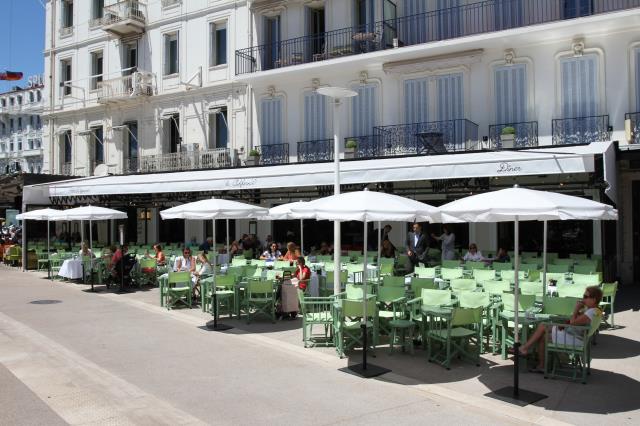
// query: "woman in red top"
[[303, 274]]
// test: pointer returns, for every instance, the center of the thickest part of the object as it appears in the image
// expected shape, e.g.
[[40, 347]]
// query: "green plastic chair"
[[238, 261], [401, 328], [609, 291], [450, 264], [525, 301], [390, 281], [586, 279], [569, 262], [328, 291], [450, 273], [346, 327], [553, 268], [436, 297], [462, 284], [496, 288], [178, 289], [510, 275], [484, 275], [472, 265], [425, 272], [43, 261], [534, 288], [559, 277], [417, 284], [225, 286], [316, 311], [571, 290], [454, 334], [561, 306], [390, 301], [148, 272], [260, 300]]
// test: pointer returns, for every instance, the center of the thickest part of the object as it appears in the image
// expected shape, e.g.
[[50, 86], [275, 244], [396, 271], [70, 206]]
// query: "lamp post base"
[[216, 326], [366, 372]]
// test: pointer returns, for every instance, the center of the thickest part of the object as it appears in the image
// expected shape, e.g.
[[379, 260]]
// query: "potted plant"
[[253, 159], [507, 137], [350, 148]]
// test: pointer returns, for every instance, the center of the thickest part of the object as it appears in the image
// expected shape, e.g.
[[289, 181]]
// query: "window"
[[38, 122], [363, 15], [38, 96], [11, 146], [19, 99], [218, 129], [67, 13], [218, 42], [3, 102], [19, 144], [132, 140], [30, 144], [3, 127], [315, 116], [67, 154], [579, 81], [416, 100], [171, 129], [2, 147], [31, 97], [449, 19], [171, 52], [97, 9], [96, 69], [97, 144], [129, 57], [576, 8], [12, 101], [11, 127], [19, 123], [272, 41], [449, 97], [38, 143], [65, 75], [510, 85], [363, 109], [32, 120], [271, 120]]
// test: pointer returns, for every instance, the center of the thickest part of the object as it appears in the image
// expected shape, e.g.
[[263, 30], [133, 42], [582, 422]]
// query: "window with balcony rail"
[[315, 116], [171, 52], [96, 69], [67, 17], [65, 76]]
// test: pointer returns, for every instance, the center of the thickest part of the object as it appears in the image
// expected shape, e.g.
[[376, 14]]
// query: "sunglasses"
[[186, 252], [587, 296]]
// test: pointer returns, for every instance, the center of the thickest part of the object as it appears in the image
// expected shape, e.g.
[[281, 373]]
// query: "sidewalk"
[[266, 374]]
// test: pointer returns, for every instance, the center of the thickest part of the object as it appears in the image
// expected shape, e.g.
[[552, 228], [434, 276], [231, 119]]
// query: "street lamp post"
[[336, 94]]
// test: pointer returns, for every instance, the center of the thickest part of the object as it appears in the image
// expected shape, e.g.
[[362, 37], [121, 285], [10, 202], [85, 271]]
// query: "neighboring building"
[[454, 97], [21, 129]]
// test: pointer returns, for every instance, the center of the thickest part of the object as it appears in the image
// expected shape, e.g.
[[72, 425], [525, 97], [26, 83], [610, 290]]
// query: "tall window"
[[510, 85], [31, 97], [19, 144], [67, 13], [271, 120], [171, 54], [171, 129], [19, 123], [363, 13], [315, 116], [449, 19], [11, 124], [129, 57], [96, 69], [363, 109], [416, 100], [218, 129], [579, 79], [218, 35], [65, 76], [272, 41], [67, 153], [97, 144], [97, 9], [449, 97]]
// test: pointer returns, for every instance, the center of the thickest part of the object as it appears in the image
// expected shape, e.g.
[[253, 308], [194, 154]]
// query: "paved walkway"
[[109, 358]]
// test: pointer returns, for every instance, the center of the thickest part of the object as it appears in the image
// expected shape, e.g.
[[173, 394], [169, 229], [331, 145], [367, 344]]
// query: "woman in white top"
[[84, 250], [448, 239], [473, 255]]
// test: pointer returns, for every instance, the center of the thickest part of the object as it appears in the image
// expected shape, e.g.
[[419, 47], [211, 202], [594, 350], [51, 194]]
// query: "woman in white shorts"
[[584, 312]]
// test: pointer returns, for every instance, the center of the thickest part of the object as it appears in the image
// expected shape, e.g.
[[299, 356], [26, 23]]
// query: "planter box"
[[507, 141], [349, 153], [252, 161]]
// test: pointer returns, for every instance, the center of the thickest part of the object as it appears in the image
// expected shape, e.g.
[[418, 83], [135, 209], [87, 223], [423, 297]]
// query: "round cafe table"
[[71, 269]]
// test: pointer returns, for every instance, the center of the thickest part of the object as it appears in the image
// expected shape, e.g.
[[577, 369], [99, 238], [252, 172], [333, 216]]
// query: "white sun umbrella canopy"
[[515, 204], [284, 212], [41, 214]]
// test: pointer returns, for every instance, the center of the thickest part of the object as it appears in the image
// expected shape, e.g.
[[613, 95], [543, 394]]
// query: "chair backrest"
[[474, 299], [354, 291], [529, 267], [466, 316], [182, 277], [225, 280], [590, 263], [436, 297], [390, 281], [258, 262], [238, 261], [584, 269], [510, 275], [354, 308], [386, 268], [572, 290], [450, 263], [417, 284], [425, 272], [354, 267], [354, 253], [525, 301], [564, 261], [609, 291], [587, 279], [345, 259], [260, 287], [472, 264], [148, 263], [578, 256], [559, 277], [272, 274], [496, 287], [386, 260], [595, 323], [463, 284], [484, 274], [562, 268], [501, 266], [529, 254], [559, 305], [450, 273], [280, 264], [389, 294], [344, 275], [531, 287]]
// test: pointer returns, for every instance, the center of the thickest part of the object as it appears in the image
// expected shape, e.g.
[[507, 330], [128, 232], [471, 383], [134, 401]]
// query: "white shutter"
[[415, 29], [271, 121], [416, 101], [363, 108], [580, 86], [315, 116], [450, 101], [510, 87]]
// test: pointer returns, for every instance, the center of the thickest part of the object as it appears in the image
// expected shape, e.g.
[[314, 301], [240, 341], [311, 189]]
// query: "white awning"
[[547, 160]]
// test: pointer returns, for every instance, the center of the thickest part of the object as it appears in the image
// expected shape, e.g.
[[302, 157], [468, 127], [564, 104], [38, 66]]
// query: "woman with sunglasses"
[[186, 262], [583, 313]]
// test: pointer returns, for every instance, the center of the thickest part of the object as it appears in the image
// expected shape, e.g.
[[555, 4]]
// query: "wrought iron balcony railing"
[[66, 169], [524, 135], [139, 83], [634, 122], [314, 151], [181, 161], [442, 24], [435, 137], [271, 154], [580, 130]]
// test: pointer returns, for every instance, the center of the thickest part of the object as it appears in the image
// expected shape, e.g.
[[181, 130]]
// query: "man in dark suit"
[[417, 247]]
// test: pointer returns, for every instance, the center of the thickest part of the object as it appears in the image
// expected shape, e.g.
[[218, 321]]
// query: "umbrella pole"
[[228, 245], [544, 261], [336, 257], [516, 290], [91, 256], [302, 237], [48, 248], [214, 325], [379, 247]]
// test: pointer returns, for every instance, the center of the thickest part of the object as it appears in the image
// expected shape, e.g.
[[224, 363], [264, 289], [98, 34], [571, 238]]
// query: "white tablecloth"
[[71, 269], [314, 285]]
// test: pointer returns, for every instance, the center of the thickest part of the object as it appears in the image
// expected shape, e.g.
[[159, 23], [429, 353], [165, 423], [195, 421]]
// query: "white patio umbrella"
[[214, 208], [515, 204], [90, 213], [284, 212], [41, 214], [366, 206]]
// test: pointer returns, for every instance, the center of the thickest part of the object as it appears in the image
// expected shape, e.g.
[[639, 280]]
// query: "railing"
[[313, 151], [271, 154], [580, 130], [634, 118], [525, 134], [182, 161], [131, 165], [124, 10], [66, 170], [435, 137], [66, 31], [139, 83], [470, 19], [169, 3]]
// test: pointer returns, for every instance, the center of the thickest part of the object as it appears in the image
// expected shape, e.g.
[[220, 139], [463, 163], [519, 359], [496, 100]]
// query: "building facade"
[[21, 128], [453, 97]]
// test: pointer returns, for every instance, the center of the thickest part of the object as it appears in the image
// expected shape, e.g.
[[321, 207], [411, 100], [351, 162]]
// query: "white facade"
[[21, 129]]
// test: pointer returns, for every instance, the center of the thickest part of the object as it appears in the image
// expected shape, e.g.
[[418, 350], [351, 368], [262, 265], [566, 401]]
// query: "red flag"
[[10, 76]]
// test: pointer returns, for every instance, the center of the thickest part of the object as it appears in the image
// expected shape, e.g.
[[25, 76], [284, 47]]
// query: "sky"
[[21, 39]]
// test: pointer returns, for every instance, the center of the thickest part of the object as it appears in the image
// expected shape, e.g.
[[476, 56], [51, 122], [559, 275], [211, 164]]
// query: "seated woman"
[[584, 312], [204, 270], [186, 262], [85, 251], [303, 273], [290, 255], [388, 250], [473, 255], [502, 256], [324, 249], [272, 254]]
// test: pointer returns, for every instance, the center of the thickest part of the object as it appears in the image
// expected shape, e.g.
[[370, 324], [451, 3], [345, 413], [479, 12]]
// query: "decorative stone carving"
[[364, 76], [271, 91], [578, 48], [509, 56]]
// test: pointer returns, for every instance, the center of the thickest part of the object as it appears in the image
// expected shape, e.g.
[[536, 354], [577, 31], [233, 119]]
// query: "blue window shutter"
[[416, 99], [315, 113], [450, 101], [510, 84], [415, 29], [579, 92], [363, 109], [271, 121]]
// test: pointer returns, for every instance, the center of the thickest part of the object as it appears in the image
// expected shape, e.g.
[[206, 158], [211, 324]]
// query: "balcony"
[[633, 126], [315, 151], [273, 154], [516, 135], [125, 88], [180, 161], [580, 130], [32, 152], [125, 18], [66, 170], [455, 22]]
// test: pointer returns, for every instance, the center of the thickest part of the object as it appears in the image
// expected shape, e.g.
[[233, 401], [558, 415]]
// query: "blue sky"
[[21, 39]]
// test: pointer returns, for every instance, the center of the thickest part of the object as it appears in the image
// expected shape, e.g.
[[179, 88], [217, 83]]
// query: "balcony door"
[[579, 86], [364, 15], [271, 120], [413, 29], [416, 100], [272, 38], [66, 152], [218, 128], [129, 58], [449, 19], [508, 14], [131, 145], [636, 57], [171, 136], [390, 25], [364, 110], [314, 30], [315, 116], [96, 147], [576, 8], [510, 88]]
